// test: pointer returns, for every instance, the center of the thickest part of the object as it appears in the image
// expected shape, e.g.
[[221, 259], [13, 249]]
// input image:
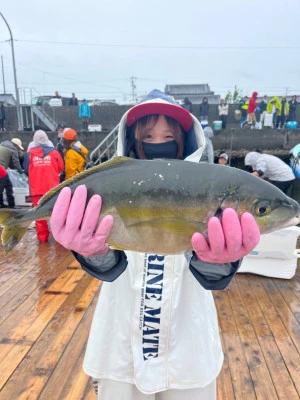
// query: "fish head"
[[274, 214], [271, 208]]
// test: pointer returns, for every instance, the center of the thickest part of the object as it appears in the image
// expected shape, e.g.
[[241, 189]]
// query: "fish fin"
[[13, 230], [115, 248], [110, 164]]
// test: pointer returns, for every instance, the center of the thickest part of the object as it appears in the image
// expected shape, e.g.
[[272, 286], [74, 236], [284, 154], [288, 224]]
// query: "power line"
[[160, 46]]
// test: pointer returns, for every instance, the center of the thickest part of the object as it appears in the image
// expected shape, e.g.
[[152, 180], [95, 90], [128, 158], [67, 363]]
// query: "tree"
[[233, 97]]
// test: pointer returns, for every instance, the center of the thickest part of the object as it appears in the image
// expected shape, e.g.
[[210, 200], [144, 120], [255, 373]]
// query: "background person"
[[157, 355], [73, 100], [5, 184], [84, 114], [204, 110], [10, 154], [244, 103], [263, 108], [42, 164], [273, 107], [272, 168], [33, 143], [75, 153], [2, 116], [293, 105], [282, 113], [187, 104], [251, 118], [223, 158], [223, 112]]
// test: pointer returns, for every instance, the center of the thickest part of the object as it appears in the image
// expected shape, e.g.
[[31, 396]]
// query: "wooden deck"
[[47, 303]]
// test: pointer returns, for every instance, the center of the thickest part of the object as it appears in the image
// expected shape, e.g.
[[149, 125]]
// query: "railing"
[[44, 117], [106, 149]]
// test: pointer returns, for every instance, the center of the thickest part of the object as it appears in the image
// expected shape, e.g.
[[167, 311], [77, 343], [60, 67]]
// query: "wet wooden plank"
[[59, 384], [224, 381], [262, 382], [254, 299], [239, 370], [33, 373], [47, 306]]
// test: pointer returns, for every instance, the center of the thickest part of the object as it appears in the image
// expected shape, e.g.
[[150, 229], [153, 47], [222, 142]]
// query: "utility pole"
[[133, 87], [20, 124], [4, 91]]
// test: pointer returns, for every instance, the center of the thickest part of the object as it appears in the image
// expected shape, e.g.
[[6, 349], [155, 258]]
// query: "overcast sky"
[[94, 47]]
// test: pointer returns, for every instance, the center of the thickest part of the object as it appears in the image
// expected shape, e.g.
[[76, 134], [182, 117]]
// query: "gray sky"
[[94, 47]]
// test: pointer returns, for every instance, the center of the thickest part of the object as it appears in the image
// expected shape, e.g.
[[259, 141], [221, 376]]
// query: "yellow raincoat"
[[75, 159], [275, 101]]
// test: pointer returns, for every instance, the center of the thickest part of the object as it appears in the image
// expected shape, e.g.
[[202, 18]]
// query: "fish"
[[159, 204]]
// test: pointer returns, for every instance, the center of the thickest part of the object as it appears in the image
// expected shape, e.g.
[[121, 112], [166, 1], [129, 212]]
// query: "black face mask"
[[160, 150]]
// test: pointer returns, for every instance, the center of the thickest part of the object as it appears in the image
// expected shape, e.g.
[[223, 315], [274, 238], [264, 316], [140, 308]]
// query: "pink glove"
[[229, 241], [75, 227]]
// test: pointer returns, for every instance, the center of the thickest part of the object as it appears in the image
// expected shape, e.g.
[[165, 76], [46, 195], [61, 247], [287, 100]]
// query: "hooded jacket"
[[269, 166], [75, 159], [252, 103], [204, 108], [161, 329], [43, 165], [9, 156], [84, 110], [274, 101]]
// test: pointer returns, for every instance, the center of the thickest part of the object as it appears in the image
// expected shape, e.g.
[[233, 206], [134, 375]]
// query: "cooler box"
[[292, 124], [268, 120], [21, 195], [275, 255], [94, 128], [20, 188], [204, 124], [217, 125]]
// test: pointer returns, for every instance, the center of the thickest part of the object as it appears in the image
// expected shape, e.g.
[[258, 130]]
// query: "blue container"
[[204, 124], [217, 125], [292, 124]]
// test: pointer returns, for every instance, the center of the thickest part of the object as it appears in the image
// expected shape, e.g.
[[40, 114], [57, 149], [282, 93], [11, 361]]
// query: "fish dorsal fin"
[[110, 164]]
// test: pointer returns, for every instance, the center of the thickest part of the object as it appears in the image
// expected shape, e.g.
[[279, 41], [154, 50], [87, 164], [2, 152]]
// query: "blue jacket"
[[84, 110]]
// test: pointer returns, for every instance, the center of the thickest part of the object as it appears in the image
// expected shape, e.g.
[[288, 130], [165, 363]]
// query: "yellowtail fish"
[[158, 205]]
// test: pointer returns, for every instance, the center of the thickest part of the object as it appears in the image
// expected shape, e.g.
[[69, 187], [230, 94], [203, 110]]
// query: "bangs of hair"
[[140, 128]]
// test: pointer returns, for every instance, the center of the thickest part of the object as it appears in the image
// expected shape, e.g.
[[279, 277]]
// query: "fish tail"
[[13, 228]]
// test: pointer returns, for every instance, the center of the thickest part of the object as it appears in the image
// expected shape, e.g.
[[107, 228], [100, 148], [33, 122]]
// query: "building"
[[195, 93], [7, 99]]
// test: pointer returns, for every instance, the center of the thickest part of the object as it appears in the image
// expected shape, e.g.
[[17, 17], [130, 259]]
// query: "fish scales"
[[158, 205]]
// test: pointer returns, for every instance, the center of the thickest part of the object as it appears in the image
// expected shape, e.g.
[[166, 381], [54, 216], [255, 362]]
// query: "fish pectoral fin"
[[112, 247]]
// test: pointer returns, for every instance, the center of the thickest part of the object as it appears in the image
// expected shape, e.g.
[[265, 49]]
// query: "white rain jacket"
[[270, 166], [155, 326]]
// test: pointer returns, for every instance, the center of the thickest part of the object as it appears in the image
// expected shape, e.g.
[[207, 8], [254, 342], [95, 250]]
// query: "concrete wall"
[[233, 140], [107, 116]]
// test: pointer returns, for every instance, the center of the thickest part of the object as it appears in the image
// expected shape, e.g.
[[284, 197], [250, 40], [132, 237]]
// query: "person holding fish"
[[155, 331], [165, 231]]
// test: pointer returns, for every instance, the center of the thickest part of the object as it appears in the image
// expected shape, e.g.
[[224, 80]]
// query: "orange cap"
[[70, 134]]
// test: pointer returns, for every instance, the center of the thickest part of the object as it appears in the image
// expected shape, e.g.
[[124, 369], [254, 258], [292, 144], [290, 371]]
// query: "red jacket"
[[252, 103], [3, 172], [43, 165]]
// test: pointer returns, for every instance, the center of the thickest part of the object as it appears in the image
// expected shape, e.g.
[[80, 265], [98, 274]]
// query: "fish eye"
[[262, 208]]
